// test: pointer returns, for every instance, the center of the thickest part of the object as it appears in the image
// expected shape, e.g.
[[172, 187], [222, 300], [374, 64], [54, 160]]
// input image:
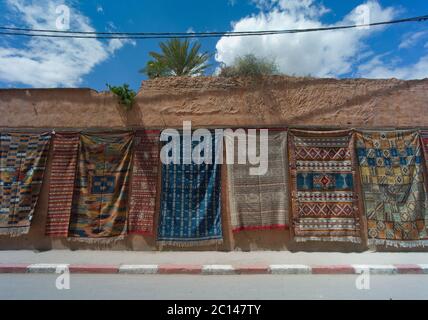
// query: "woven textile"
[[324, 198], [424, 142], [259, 201], [144, 182], [63, 172], [101, 188], [190, 204], [394, 189], [22, 166]]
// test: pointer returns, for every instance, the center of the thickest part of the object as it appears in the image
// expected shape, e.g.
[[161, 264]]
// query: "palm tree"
[[178, 58]]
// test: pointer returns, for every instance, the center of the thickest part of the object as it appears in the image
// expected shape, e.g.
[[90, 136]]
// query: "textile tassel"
[[279, 227], [329, 239], [14, 232], [398, 243], [98, 241], [182, 244]]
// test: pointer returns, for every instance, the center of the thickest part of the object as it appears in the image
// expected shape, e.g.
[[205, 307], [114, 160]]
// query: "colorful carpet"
[[424, 142], [22, 165], [394, 190], [144, 182], [259, 201], [190, 205], [101, 188], [324, 196], [62, 177]]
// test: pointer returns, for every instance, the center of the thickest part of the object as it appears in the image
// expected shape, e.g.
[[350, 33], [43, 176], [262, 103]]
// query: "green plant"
[[126, 96], [177, 58], [155, 69], [249, 66]]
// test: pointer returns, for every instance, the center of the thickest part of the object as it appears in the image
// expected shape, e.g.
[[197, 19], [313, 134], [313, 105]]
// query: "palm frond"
[[179, 58]]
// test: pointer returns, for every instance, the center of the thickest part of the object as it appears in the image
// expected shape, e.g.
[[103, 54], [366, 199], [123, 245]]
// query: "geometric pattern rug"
[[394, 188], [144, 182], [324, 200], [100, 199], [259, 202], [22, 165]]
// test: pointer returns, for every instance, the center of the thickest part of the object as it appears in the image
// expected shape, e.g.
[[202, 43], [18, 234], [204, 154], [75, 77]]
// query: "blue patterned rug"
[[190, 204]]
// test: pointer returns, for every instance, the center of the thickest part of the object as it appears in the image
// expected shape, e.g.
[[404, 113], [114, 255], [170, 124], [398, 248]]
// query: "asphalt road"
[[42, 286]]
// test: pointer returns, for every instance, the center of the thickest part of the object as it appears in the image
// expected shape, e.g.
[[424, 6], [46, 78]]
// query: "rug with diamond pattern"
[[100, 199], [324, 200], [23, 158]]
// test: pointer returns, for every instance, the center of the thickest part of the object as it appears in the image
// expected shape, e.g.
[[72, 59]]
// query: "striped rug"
[[144, 182], [63, 173]]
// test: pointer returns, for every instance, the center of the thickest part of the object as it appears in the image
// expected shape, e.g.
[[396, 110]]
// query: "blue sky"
[[398, 51]]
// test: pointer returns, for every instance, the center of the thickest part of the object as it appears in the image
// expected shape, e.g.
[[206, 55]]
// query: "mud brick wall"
[[213, 102]]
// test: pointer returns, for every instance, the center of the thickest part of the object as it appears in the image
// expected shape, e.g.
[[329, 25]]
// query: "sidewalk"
[[261, 262]]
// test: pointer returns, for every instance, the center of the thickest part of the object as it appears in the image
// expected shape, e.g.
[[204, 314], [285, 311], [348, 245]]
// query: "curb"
[[218, 269], [376, 269], [13, 268], [170, 269], [290, 269], [179, 269], [334, 269], [103, 269], [46, 268], [255, 269], [139, 269]]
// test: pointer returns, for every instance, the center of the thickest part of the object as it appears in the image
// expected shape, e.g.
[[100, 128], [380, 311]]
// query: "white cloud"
[[385, 66], [379, 68], [100, 9], [50, 62], [411, 39], [116, 44], [294, 7], [322, 54]]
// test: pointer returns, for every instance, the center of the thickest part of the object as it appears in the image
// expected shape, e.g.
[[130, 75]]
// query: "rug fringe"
[[356, 240], [186, 244], [399, 243], [259, 228], [97, 241], [14, 232]]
